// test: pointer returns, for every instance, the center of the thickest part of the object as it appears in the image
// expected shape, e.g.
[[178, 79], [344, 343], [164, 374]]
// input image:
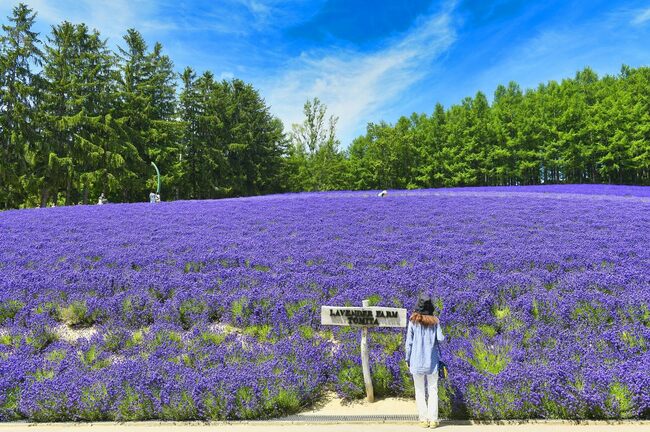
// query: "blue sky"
[[371, 61]]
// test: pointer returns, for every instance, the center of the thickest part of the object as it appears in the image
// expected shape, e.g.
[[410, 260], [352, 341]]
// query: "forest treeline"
[[78, 119]]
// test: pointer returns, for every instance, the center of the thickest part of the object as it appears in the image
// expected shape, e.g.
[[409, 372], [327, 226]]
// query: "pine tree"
[[19, 92]]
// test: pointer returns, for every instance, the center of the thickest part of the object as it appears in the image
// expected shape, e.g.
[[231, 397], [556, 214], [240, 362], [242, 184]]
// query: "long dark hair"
[[425, 320]]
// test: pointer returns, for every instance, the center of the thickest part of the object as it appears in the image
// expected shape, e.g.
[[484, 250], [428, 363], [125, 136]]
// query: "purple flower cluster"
[[210, 309]]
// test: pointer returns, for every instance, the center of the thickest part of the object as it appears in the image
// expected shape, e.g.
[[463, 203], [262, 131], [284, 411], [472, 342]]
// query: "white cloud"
[[357, 86], [555, 53], [641, 17], [111, 17]]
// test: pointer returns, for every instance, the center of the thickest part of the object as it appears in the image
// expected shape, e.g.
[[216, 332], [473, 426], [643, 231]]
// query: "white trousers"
[[427, 409]]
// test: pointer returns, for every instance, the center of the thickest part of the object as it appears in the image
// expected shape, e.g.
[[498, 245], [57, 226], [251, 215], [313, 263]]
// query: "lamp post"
[[158, 177]]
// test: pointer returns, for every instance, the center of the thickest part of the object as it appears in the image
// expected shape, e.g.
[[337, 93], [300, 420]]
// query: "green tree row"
[[582, 130], [78, 120]]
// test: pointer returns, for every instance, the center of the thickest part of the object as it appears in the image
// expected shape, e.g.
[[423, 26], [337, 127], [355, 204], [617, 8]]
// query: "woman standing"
[[422, 356]]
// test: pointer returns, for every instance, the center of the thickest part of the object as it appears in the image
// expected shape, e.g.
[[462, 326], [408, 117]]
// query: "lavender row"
[[200, 310]]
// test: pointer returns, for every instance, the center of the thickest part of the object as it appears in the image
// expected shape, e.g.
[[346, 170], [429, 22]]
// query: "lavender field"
[[210, 309]]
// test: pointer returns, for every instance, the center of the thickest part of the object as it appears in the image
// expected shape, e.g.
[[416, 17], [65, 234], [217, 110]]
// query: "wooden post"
[[365, 360]]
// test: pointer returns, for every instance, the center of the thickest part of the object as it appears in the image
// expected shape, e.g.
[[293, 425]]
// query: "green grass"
[[593, 315], [350, 376], [40, 338], [182, 408], [92, 399], [490, 360], [91, 360], [134, 406], [374, 300], [10, 340], [292, 308], [391, 342], [634, 341], [56, 356], [9, 408], [487, 330], [620, 401], [9, 309], [214, 406], [188, 309], [261, 332], [211, 338], [238, 306], [76, 314]]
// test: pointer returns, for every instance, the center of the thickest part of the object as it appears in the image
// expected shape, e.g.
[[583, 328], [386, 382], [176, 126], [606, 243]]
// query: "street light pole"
[[158, 174]]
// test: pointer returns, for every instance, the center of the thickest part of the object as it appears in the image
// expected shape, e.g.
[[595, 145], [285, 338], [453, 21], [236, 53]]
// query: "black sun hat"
[[425, 304]]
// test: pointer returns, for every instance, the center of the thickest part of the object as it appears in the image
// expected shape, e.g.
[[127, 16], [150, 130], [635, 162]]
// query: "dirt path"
[[341, 427], [333, 408]]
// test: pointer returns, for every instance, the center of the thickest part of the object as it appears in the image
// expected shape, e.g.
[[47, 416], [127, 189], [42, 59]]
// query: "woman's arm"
[[439, 334]]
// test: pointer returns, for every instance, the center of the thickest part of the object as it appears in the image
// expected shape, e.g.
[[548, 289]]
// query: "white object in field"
[[157, 198], [102, 200], [152, 198], [382, 193]]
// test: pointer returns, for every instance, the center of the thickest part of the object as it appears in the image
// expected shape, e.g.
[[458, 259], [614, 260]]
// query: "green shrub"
[[179, 408], [214, 406], [260, 332], [292, 308], [391, 342], [497, 404], [237, 308], [165, 336], [243, 402], [10, 340], [489, 360], [91, 360], [193, 266], [9, 309], [134, 406], [284, 403], [593, 315], [136, 339], [634, 341], [92, 400], [408, 386], [487, 330], [9, 407], [187, 309], [381, 380], [350, 376], [56, 356], [374, 300], [306, 331], [501, 313], [43, 374], [213, 338], [620, 401], [76, 314], [41, 337]]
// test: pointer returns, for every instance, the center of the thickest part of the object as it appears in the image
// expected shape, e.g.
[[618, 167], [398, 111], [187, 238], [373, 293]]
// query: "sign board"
[[369, 316]]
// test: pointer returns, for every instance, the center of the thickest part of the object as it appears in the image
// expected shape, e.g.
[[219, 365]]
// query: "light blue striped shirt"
[[421, 350]]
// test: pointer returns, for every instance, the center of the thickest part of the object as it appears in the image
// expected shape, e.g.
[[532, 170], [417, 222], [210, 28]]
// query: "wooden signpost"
[[364, 317]]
